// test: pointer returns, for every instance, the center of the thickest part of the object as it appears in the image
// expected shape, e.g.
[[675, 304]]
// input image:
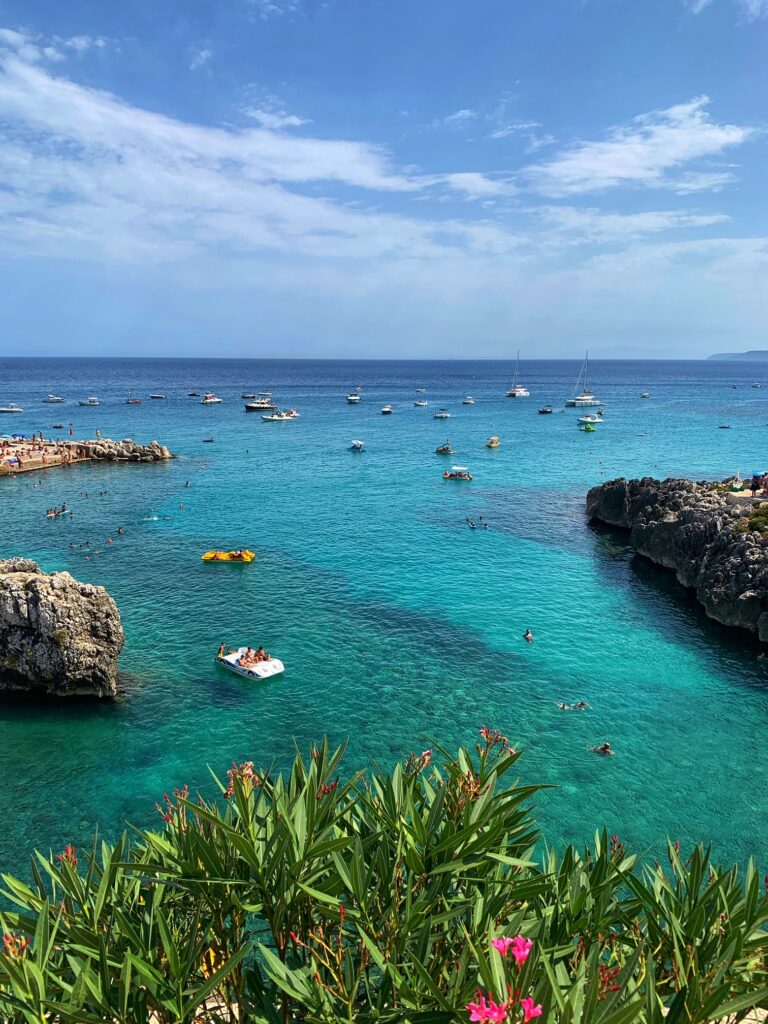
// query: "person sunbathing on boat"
[[261, 655], [247, 659]]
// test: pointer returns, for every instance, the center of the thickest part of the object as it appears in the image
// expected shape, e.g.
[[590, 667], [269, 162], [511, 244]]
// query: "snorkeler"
[[604, 748], [528, 636]]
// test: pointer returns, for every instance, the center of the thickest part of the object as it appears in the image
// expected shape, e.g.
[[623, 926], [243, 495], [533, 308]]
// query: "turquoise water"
[[396, 622]]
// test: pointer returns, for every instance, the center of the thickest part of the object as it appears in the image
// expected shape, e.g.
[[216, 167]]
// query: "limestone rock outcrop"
[[715, 542], [58, 636]]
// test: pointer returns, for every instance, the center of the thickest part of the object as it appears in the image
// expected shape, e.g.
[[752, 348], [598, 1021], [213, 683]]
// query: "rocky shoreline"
[[58, 636], [714, 540], [24, 455]]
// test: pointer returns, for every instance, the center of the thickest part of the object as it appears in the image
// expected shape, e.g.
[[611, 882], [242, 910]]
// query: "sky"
[[369, 179]]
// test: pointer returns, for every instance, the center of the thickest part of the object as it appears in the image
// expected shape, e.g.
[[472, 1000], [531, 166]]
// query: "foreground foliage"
[[412, 895]]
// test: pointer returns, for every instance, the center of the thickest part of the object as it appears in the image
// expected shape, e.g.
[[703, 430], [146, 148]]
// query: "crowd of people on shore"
[[34, 452]]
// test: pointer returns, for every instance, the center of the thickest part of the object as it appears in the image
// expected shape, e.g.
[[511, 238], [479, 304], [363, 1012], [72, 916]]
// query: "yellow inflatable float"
[[229, 556]]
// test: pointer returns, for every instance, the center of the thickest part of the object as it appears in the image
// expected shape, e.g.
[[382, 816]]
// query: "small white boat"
[[157, 396], [52, 400], [278, 417], [387, 410], [517, 390], [248, 394], [11, 408], [441, 414], [210, 399], [757, 385], [357, 446], [93, 400], [591, 419], [260, 405], [261, 670], [646, 394], [457, 473], [133, 401], [292, 413], [420, 391], [469, 400], [422, 403], [353, 397]]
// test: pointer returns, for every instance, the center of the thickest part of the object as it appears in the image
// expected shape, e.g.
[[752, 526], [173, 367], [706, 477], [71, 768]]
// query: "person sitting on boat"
[[246, 659], [261, 655]]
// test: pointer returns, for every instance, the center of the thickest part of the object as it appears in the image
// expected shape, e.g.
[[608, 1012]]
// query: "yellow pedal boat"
[[229, 556]]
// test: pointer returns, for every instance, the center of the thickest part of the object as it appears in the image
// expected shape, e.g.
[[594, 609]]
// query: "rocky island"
[[58, 636], [715, 540]]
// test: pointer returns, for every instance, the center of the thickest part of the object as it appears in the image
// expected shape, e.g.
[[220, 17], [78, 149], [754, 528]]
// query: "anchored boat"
[[52, 400], [445, 449], [441, 414], [583, 398], [493, 442], [457, 473], [357, 446], [237, 662], [210, 399], [517, 390]]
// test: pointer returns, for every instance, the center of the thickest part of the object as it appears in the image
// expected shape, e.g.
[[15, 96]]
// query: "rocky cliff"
[[716, 542], [57, 636]]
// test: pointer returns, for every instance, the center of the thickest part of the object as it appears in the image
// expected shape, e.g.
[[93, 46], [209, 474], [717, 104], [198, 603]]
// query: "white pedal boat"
[[262, 670]]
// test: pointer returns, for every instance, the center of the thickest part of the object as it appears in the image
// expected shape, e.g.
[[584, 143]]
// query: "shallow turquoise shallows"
[[398, 625]]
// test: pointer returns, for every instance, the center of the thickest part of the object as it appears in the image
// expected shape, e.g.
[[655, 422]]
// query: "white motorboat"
[[422, 403], [93, 400], [517, 390], [157, 396], [261, 670], [469, 400], [591, 419], [353, 397], [210, 399], [357, 446], [420, 391], [441, 414], [387, 410], [11, 408], [583, 398], [646, 394], [757, 385], [260, 405], [52, 400], [278, 417]]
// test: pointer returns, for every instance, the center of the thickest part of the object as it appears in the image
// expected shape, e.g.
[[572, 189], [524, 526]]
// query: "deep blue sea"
[[398, 625]]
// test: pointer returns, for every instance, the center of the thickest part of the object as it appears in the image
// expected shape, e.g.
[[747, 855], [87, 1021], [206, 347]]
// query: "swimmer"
[[528, 636], [604, 748]]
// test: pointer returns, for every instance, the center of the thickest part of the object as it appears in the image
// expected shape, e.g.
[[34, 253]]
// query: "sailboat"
[[583, 398], [517, 390]]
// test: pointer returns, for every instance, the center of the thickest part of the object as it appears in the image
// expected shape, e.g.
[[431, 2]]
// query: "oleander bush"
[[412, 895]]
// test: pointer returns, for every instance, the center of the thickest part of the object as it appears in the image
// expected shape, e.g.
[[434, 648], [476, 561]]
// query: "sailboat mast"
[[586, 372]]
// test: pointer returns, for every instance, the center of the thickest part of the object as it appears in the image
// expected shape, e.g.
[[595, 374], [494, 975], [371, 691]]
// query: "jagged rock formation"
[[121, 451], [57, 635], [716, 543]]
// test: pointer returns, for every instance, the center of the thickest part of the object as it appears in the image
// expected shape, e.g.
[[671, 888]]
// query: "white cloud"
[[587, 224], [88, 173], [82, 43], [199, 58], [275, 119], [646, 153], [753, 9], [266, 9], [460, 119]]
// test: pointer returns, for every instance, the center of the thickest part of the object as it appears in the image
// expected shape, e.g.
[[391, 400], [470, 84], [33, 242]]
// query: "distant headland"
[[754, 354]]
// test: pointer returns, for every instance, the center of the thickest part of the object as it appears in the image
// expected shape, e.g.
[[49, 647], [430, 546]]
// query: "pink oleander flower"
[[502, 945], [521, 947], [530, 1010], [486, 1010], [478, 1011]]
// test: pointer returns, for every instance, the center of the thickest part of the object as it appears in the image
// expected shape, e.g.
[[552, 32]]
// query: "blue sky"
[[360, 178]]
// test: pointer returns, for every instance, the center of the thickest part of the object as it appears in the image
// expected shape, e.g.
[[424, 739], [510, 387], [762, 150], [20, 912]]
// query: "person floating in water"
[[580, 705], [604, 748], [470, 523], [528, 636]]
